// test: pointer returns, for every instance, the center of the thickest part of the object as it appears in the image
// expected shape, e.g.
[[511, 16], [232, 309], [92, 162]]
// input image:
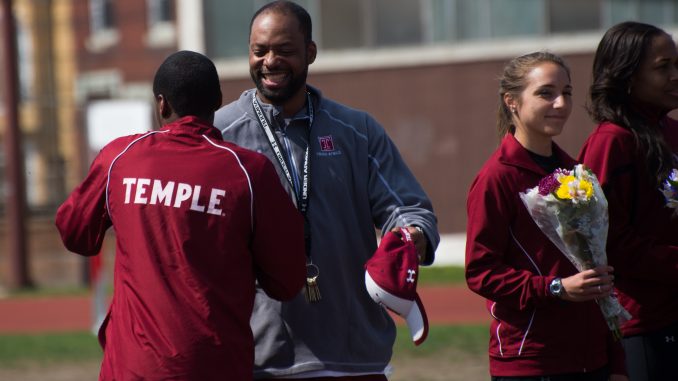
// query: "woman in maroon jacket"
[[635, 85], [545, 321]]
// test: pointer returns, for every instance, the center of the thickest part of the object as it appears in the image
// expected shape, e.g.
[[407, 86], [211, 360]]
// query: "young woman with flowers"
[[632, 151], [546, 324]]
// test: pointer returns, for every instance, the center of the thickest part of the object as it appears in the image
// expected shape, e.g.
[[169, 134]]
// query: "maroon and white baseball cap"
[[391, 280]]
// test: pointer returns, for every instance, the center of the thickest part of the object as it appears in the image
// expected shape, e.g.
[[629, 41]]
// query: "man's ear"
[[311, 52], [164, 108]]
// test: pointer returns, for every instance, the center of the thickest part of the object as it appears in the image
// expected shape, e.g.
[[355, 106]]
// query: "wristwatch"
[[556, 287]]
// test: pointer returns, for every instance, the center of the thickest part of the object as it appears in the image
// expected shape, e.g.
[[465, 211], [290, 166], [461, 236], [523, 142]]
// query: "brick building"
[[426, 69]]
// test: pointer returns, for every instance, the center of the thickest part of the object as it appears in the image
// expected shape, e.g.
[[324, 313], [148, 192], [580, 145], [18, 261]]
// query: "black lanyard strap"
[[302, 199]]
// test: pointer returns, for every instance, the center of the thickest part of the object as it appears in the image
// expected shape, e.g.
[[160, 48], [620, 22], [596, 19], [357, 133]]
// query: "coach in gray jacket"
[[346, 177]]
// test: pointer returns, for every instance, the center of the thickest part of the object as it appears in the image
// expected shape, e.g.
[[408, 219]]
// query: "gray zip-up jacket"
[[358, 181]]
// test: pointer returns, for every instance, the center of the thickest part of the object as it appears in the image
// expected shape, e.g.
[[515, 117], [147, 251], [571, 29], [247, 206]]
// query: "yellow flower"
[[571, 188], [587, 188], [563, 191]]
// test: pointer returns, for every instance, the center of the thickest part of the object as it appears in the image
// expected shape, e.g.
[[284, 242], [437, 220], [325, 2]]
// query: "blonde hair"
[[513, 82]]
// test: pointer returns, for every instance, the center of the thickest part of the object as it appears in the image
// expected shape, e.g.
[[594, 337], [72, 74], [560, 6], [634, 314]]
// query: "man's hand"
[[419, 239]]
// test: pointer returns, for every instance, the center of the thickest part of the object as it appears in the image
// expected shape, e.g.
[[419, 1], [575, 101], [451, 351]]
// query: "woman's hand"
[[589, 284]]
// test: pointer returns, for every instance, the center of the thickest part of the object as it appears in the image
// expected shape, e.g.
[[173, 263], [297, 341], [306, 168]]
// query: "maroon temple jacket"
[[510, 262], [196, 221], [642, 243]]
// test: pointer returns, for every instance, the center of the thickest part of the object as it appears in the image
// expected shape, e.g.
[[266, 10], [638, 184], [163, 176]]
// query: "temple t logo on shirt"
[[154, 192], [327, 147], [326, 143]]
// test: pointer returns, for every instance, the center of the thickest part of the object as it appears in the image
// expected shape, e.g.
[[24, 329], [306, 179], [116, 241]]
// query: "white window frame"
[[160, 33], [101, 36]]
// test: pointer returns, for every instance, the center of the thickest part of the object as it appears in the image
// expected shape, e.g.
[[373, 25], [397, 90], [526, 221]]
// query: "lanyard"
[[302, 199], [312, 291]]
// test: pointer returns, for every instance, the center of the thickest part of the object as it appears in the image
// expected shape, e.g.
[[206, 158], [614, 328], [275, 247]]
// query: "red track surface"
[[444, 305], [58, 314]]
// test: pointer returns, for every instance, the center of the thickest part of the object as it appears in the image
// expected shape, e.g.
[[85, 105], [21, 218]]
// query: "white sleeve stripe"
[[529, 326], [110, 168], [520, 350], [501, 351], [524, 251], [249, 181]]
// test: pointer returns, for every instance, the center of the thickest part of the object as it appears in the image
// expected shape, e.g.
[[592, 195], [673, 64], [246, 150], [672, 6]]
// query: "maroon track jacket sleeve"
[[610, 159], [82, 220], [488, 238], [278, 237]]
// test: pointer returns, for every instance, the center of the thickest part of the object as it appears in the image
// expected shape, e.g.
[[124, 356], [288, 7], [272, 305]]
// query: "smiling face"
[[279, 57], [654, 85], [542, 108]]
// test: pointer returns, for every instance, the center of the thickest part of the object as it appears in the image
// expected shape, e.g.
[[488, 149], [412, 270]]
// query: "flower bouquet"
[[670, 190], [571, 210]]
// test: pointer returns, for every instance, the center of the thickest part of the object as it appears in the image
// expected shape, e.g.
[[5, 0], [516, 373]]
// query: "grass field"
[[16, 350], [441, 275], [83, 346], [76, 356], [450, 353]]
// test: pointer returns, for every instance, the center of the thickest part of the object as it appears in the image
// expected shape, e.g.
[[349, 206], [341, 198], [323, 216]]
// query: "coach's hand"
[[419, 239]]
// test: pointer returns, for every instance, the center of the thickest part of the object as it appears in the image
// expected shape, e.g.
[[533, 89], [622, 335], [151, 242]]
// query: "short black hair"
[[285, 7], [189, 82]]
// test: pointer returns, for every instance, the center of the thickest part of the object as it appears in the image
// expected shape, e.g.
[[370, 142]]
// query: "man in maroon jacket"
[[197, 221]]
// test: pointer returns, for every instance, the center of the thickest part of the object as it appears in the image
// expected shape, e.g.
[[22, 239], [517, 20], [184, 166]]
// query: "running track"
[[444, 305]]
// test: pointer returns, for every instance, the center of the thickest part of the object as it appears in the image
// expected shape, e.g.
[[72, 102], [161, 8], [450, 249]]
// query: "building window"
[[360, 24], [407, 30], [160, 11], [574, 16], [227, 27], [332, 29], [530, 13], [101, 15], [103, 32], [161, 26]]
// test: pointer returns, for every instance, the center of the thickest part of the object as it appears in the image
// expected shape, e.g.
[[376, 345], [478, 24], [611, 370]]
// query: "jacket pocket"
[[511, 329]]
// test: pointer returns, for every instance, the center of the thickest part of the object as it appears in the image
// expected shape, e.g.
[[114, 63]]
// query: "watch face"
[[556, 287]]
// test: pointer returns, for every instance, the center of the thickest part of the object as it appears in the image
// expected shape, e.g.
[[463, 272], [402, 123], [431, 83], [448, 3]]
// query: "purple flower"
[[548, 184]]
